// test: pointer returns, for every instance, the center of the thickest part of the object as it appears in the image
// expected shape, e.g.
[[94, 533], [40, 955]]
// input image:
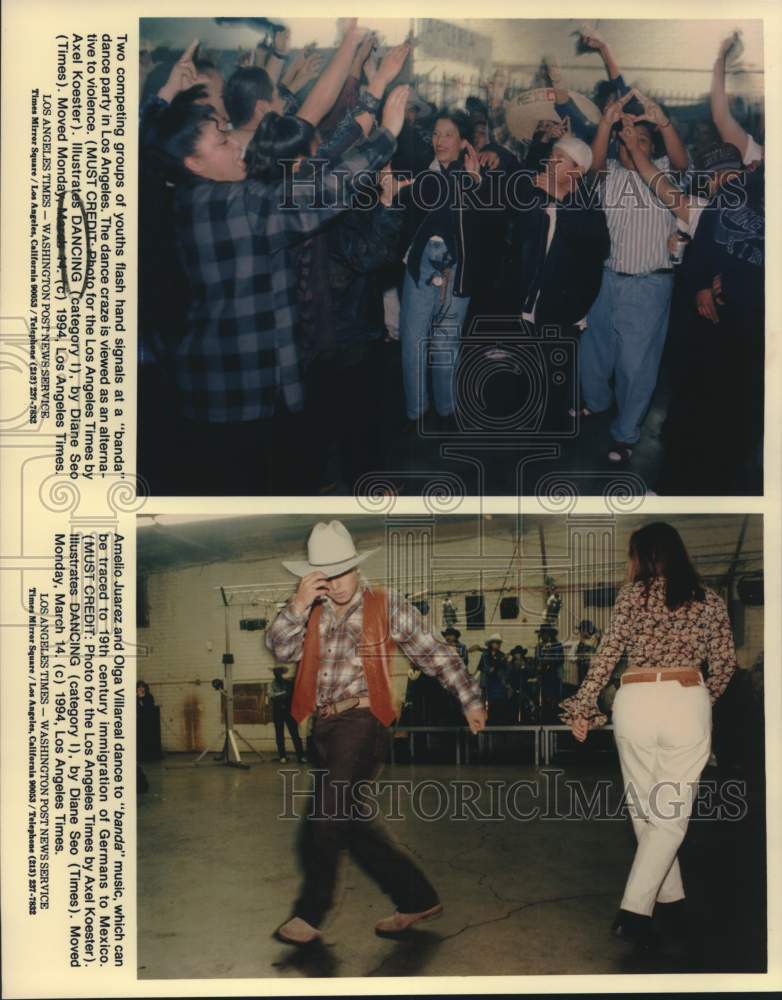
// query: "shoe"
[[448, 424], [398, 922], [620, 454], [582, 411], [297, 931], [283, 760], [636, 928], [672, 915], [303, 759]]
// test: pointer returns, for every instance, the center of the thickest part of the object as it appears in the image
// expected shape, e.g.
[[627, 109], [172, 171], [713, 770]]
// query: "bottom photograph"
[[440, 744]]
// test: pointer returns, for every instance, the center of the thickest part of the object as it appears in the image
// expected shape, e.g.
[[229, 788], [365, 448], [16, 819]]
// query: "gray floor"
[[218, 871]]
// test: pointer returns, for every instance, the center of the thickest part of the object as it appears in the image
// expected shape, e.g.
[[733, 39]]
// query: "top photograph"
[[416, 257]]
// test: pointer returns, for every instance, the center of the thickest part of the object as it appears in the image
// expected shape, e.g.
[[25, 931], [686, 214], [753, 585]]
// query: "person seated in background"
[[280, 694]]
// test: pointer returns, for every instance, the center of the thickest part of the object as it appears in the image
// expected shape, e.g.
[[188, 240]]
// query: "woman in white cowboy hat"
[[342, 634]]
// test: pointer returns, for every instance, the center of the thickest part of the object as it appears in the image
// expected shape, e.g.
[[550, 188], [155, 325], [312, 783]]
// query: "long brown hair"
[[657, 551]]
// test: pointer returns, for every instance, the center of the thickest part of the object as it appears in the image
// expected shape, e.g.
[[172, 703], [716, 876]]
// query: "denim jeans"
[[624, 338], [430, 326]]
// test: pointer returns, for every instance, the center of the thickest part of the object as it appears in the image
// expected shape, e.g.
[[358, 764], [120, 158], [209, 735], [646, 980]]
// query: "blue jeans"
[[430, 326], [625, 335]]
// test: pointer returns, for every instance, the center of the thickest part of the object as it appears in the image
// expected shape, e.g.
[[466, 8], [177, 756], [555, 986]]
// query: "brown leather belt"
[[337, 707], [687, 678]]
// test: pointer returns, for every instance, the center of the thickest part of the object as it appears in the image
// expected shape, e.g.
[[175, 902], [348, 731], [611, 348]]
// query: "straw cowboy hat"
[[495, 637], [330, 550], [525, 110]]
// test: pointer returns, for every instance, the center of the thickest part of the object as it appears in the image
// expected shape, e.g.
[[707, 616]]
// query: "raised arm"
[[325, 92], [727, 126], [435, 658], [611, 115], [583, 707], [672, 197], [674, 147]]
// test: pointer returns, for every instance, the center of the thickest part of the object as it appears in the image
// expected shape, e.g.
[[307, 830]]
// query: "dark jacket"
[[455, 216], [730, 241], [569, 275]]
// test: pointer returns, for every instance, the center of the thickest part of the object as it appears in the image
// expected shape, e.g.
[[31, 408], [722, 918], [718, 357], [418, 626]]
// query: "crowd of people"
[[298, 218], [517, 687]]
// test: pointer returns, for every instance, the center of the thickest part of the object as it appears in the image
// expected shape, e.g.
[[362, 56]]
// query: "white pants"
[[663, 734]]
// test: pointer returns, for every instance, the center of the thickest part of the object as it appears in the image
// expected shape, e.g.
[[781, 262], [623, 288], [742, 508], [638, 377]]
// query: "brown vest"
[[376, 650]]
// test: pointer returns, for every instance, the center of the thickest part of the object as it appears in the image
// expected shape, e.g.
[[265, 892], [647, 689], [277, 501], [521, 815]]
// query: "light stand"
[[229, 754]]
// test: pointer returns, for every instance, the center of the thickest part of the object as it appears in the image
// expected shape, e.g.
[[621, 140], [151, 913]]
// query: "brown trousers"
[[351, 748]]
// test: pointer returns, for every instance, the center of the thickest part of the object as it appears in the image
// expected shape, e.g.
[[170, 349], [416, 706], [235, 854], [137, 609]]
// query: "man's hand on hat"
[[311, 587], [476, 718]]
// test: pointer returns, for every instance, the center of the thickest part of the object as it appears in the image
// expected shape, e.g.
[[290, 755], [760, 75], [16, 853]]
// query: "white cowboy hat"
[[495, 637], [525, 110], [330, 550]]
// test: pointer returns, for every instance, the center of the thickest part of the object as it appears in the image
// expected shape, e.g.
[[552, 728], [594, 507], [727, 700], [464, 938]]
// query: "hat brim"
[[304, 568], [522, 119]]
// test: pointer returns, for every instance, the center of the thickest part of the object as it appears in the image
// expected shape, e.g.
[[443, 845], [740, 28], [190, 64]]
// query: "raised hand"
[[652, 111], [392, 63], [183, 74], [471, 162], [489, 159], [615, 109], [390, 186], [628, 134], [394, 109]]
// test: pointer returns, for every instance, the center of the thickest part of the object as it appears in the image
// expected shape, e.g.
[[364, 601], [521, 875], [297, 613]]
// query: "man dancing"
[[342, 634]]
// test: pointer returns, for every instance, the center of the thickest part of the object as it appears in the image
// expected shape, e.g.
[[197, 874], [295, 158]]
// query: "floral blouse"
[[656, 638]]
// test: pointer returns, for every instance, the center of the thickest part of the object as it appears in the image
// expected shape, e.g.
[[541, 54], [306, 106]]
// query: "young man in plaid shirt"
[[342, 635], [237, 366]]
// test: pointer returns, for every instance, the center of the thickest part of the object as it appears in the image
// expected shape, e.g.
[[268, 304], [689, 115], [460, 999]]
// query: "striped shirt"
[[638, 223], [341, 672]]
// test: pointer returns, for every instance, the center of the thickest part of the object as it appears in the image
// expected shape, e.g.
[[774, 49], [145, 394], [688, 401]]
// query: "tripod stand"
[[229, 753]]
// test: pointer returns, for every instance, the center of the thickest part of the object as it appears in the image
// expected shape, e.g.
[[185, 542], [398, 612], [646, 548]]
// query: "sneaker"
[[398, 922], [620, 454], [283, 760], [304, 759]]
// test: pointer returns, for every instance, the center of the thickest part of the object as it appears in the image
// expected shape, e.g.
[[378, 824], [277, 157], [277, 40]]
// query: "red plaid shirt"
[[341, 673]]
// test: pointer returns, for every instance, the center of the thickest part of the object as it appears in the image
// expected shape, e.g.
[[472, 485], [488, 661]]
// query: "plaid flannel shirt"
[[341, 673], [238, 353]]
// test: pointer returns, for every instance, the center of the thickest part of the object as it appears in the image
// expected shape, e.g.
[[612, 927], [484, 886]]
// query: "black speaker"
[[750, 590], [252, 624], [509, 607], [601, 596], [474, 611], [423, 606]]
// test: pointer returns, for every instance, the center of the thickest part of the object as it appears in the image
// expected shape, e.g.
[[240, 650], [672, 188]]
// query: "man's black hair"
[[243, 88], [174, 133], [460, 119], [277, 138]]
